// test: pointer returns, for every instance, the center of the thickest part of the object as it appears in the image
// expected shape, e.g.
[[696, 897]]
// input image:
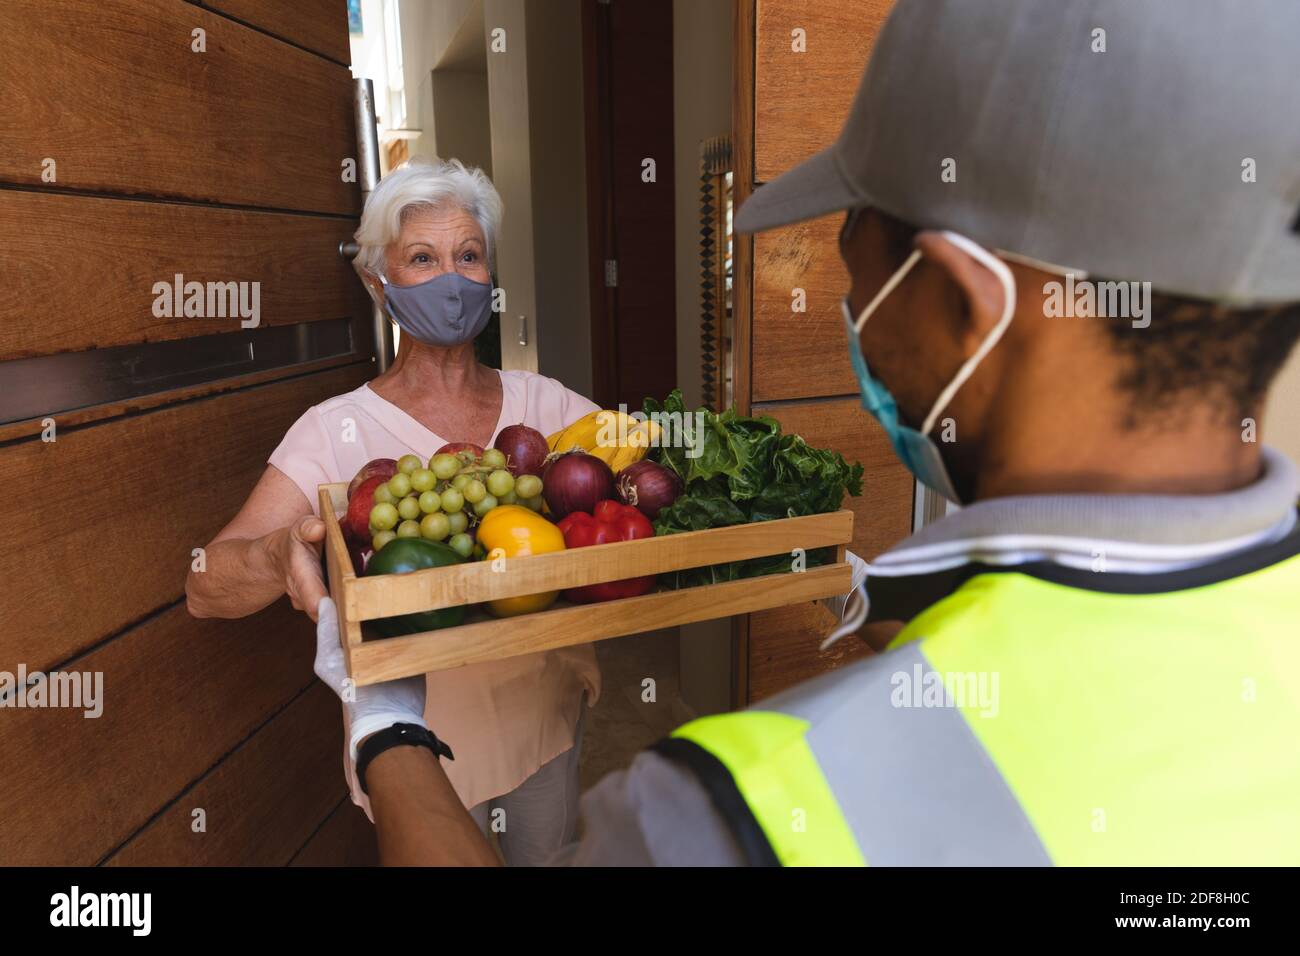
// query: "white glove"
[[850, 609], [371, 708]]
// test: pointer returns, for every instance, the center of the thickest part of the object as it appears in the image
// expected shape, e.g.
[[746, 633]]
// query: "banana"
[[616, 438]]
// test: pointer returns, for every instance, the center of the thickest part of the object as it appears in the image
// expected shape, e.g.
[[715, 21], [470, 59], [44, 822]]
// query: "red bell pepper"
[[610, 521]]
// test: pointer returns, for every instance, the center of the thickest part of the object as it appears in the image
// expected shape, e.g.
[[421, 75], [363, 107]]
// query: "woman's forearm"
[[239, 577]]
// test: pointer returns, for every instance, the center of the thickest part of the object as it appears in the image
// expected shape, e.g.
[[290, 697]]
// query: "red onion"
[[360, 552], [575, 481], [525, 449], [649, 487]]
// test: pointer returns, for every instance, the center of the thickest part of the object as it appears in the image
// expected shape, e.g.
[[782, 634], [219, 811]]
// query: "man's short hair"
[[1223, 356]]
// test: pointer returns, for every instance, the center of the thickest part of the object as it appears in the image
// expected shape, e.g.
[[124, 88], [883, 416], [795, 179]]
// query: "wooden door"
[[145, 140], [798, 64], [630, 199]]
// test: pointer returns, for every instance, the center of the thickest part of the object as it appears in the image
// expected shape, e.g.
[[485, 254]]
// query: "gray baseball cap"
[[1140, 140]]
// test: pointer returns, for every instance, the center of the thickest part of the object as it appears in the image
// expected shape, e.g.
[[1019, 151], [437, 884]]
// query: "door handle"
[[523, 330], [363, 91]]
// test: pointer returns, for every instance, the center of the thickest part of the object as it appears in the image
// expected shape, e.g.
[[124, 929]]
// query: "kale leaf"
[[745, 470]]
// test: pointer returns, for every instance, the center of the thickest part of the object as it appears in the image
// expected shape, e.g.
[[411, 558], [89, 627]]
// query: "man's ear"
[[980, 290]]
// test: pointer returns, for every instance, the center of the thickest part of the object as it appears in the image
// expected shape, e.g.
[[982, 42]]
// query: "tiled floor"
[[624, 722]]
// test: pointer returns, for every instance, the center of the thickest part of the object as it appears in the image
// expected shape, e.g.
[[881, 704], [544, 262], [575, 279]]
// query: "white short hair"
[[420, 183]]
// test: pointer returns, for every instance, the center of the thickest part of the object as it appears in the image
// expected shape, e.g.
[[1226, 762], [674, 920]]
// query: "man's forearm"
[[421, 821]]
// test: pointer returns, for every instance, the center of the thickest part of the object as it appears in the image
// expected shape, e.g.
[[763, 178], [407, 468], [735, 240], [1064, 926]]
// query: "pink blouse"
[[503, 719]]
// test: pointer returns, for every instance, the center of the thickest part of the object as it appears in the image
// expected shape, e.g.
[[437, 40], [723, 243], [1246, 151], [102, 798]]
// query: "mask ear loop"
[[899, 275], [862, 608], [383, 281], [374, 296], [999, 269], [856, 618]]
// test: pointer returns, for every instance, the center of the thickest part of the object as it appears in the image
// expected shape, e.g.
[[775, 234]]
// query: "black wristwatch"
[[398, 735]]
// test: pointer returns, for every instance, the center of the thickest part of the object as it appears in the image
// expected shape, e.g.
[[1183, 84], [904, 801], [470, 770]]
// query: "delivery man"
[[1073, 237]]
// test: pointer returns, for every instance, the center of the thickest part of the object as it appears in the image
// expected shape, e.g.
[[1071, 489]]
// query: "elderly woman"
[[427, 236]]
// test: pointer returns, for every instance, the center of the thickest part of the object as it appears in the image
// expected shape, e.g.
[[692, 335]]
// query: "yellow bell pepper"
[[519, 531]]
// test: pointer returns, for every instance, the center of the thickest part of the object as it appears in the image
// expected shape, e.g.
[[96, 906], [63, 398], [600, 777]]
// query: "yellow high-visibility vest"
[[1086, 719]]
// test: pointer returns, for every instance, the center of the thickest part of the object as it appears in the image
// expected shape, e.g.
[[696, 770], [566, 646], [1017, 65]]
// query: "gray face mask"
[[446, 310]]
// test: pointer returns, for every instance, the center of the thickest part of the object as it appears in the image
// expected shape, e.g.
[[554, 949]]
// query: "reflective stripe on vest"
[[777, 774], [1136, 728], [1022, 721]]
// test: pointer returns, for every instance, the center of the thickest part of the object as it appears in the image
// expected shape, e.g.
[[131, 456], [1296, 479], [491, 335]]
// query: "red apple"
[[357, 520], [383, 467], [452, 448]]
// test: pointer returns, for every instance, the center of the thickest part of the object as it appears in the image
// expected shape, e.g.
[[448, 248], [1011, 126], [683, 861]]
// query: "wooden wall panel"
[[88, 414], [346, 838], [742, 154], [782, 646], [113, 93], [319, 25], [177, 696], [795, 365], [132, 156], [100, 293], [160, 485], [800, 354], [263, 802], [802, 98]]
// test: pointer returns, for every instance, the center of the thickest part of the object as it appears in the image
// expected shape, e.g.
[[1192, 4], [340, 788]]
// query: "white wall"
[[1282, 416], [428, 28], [512, 173], [433, 33], [559, 178], [702, 110], [461, 128]]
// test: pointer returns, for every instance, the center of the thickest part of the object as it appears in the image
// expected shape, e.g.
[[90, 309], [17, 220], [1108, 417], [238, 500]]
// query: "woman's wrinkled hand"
[[295, 552]]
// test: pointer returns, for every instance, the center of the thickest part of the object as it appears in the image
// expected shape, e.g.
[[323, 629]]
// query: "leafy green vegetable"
[[735, 570], [728, 445], [745, 470], [705, 505]]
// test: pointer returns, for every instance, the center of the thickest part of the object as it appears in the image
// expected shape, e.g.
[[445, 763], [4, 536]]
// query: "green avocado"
[[401, 556]]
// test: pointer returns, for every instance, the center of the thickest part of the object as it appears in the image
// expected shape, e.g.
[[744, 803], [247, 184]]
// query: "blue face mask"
[[916, 449], [446, 310]]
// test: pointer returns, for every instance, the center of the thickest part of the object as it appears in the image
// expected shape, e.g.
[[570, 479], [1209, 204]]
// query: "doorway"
[[628, 78]]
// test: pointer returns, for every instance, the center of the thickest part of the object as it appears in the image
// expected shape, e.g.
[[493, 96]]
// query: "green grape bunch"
[[445, 499]]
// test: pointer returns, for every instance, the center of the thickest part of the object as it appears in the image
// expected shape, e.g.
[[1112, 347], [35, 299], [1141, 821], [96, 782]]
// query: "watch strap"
[[398, 735]]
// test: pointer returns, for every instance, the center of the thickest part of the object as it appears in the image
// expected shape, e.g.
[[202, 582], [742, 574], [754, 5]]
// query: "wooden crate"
[[372, 659]]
